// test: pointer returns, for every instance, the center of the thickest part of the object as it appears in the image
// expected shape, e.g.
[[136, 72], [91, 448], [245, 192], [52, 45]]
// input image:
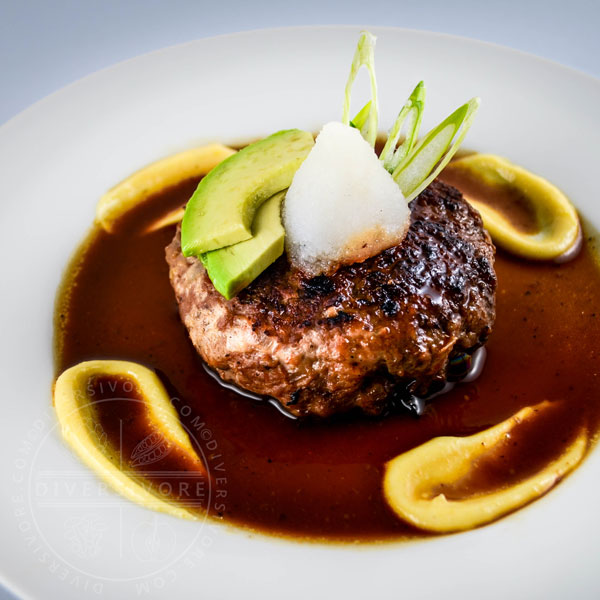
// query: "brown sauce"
[[322, 480]]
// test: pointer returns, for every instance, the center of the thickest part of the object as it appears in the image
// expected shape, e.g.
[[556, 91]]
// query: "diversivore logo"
[[91, 538]]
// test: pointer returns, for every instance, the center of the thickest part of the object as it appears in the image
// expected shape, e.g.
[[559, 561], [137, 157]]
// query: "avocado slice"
[[234, 267], [221, 210]]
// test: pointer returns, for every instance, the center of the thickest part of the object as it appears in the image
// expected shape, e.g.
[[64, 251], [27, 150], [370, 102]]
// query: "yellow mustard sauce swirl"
[[549, 226]]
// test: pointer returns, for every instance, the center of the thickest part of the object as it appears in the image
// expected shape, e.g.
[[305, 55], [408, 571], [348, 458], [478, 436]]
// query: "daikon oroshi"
[[342, 206]]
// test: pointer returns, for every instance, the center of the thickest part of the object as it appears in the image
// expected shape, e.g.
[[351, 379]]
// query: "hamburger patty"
[[359, 338]]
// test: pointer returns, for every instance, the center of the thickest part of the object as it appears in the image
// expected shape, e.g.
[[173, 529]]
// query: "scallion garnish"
[[364, 56], [361, 117], [412, 165], [426, 161], [412, 112]]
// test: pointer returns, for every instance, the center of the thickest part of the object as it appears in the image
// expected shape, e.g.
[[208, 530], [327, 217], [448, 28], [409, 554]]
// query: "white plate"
[[59, 156]]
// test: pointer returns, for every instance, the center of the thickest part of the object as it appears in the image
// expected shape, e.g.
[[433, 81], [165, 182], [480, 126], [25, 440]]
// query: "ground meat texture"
[[356, 339]]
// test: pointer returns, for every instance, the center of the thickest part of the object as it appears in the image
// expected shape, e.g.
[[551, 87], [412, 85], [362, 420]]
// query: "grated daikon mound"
[[343, 206]]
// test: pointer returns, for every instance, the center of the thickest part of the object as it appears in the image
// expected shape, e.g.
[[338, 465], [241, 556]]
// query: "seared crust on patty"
[[324, 345]]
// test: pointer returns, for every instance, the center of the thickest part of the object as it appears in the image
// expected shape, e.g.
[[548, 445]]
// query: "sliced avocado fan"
[[222, 209], [232, 268]]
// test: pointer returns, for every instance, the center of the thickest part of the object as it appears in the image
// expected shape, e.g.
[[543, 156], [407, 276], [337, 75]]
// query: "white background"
[[47, 44]]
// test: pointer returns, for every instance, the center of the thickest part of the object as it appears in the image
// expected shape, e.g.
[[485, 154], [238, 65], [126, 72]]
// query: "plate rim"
[[269, 30]]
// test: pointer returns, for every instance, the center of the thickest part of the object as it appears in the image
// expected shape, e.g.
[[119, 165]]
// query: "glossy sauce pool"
[[323, 480]]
